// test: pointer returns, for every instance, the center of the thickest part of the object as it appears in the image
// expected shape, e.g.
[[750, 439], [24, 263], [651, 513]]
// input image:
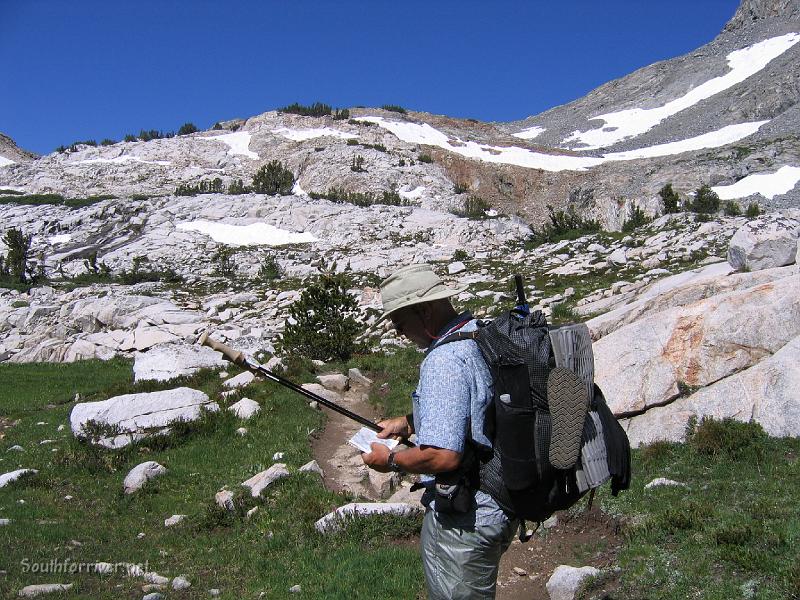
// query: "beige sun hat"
[[413, 284]]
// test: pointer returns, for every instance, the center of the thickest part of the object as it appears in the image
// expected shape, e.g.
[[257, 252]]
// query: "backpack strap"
[[453, 337]]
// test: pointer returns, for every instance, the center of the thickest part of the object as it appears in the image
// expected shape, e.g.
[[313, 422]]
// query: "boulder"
[[456, 267], [141, 474], [173, 520], [134, 416], [167, 361], [696, 345], [764, 243], [7, 478], [259, 482], [765, 393], [245, 408], [312, 467], [180, 583], [358, 379], [565, 581], [320, 390], [339, 517]]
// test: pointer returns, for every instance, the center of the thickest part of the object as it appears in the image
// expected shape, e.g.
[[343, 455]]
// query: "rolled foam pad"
[[569, 403]]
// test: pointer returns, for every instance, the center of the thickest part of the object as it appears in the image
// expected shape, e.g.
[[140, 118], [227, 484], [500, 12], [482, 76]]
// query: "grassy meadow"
[[731, 533]]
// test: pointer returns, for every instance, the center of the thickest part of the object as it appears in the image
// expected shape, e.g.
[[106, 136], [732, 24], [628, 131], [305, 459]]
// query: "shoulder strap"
[[453, 337]]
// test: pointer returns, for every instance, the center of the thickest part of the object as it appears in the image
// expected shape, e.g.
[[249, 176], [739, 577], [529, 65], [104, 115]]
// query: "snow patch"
[[768, 185], [530, 132], [59, 239], [625, 124], [120, 160], [238, 143], [4, 162], [414, 194], [415, 133], [255, 234], [300, 135]]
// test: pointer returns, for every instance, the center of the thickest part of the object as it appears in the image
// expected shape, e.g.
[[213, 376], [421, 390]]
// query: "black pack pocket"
[[515, 422]]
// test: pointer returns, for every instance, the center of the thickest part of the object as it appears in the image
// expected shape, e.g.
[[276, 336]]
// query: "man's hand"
[[393, 427], [378, 459]]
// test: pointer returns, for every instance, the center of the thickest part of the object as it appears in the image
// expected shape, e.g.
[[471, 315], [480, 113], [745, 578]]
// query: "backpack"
[[528, 361]]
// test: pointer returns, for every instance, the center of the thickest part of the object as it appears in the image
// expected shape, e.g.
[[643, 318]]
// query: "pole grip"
[[229, 353]]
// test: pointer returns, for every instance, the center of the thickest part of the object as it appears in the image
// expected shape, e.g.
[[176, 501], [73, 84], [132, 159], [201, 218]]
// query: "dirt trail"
[[591, 538]]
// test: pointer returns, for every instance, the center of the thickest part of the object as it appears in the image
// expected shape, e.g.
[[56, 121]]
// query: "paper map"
[[365, 436]]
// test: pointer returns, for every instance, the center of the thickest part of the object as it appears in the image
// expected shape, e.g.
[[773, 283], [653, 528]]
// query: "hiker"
[[464, 532]]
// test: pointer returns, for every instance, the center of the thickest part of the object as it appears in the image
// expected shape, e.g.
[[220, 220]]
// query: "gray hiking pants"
[[462, 562]]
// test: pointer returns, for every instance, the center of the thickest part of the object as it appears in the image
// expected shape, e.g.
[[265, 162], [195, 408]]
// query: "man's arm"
[[423, 459]]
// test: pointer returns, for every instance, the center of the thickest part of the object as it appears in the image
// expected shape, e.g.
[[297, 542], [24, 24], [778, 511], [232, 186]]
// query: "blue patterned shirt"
[[454, 389]]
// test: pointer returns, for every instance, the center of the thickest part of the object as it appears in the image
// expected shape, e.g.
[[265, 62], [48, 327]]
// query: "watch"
[[393, 466]]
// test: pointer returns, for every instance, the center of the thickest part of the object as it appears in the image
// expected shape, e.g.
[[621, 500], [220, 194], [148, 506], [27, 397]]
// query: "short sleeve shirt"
[[454, 389]]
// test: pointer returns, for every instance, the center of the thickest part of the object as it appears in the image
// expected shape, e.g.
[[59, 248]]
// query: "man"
[[460, 549]]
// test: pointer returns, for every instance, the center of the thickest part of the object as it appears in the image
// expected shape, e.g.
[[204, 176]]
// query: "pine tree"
[[670, 198]]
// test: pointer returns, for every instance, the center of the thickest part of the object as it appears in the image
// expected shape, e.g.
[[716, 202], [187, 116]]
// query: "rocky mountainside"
[[138, 269]]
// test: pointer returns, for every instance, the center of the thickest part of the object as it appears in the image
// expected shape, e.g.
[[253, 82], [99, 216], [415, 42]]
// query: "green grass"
[[271, 552]]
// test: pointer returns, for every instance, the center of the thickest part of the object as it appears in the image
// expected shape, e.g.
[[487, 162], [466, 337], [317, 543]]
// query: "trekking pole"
[[241, 359], [522, 307]]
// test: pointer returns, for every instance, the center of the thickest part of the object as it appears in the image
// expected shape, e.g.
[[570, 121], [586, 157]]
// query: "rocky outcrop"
[[697, 344], [339, 517], [764, 245], [122, 420]]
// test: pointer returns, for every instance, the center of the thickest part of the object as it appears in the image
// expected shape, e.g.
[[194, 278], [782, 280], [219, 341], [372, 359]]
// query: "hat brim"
[[445, 293]]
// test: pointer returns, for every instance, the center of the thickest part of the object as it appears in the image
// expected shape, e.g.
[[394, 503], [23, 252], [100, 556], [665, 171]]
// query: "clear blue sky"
[[91, 69]]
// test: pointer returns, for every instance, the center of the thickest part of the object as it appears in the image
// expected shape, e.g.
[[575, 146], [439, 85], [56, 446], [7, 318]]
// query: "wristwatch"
[[393, 466]]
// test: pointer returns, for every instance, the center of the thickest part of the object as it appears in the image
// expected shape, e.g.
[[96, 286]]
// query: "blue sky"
[[94, 69]]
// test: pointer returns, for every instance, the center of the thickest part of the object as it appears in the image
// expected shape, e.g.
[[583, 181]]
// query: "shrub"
[[460, 188], [394, 108], [318, 109], [460, 254], [204, 187], [732, 208], [107, 142], [390, 198], [402, 163], [357, 164], [238, 187], [14, 268], [425, 158], [475, 207], [727, 437], [130, 138], [564, 225], [224, 263], [322, 324], [269, 269], [705, 201], [636, 218], [670, 199], [352, 142], [187, 128], [146, 135], [341, 115], [753, 210], [273, 179]]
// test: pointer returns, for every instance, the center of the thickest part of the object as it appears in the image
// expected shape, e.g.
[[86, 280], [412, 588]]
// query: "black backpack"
[[522, 352]]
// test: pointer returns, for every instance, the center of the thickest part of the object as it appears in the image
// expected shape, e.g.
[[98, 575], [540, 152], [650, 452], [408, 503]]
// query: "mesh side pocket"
[[515, 420]]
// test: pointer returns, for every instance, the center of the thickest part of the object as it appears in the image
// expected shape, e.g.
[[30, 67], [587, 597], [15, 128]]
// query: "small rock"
[[5, 522], [152, 596], [245, 408], [277, 456], [660, 481], [31, 591], [295, 589], [313, 405], [566, 581], [16, 448], [141, 474], [356, 378], [335, 382], [312, 467], [520, 572], [140, 535], [180, 583], [173, 520], [60, 427], [242, 431], [551, 522], [251, 512], [456, 267], [241, 380], [214, 592], [224, 499], [155, 578], [259, 482], [68, 497], [618, 257]]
